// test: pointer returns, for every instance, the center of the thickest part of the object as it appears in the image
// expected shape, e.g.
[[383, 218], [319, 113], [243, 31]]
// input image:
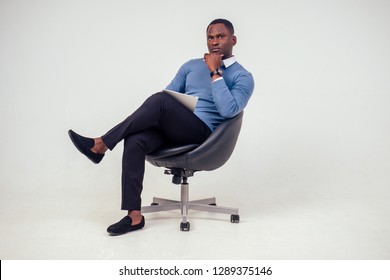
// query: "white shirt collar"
[[229, 61]]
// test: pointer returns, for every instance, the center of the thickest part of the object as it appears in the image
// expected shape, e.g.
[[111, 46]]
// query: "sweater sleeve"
[[231, 102]]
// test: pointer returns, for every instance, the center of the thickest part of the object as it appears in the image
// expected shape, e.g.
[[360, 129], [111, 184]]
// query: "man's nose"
[[215, 42]]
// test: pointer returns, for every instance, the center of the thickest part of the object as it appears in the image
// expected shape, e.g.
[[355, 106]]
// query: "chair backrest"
[[210, 155]]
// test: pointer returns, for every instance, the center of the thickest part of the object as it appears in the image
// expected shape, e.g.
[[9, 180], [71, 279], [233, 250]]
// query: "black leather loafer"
[[84, 145], [124, 226]]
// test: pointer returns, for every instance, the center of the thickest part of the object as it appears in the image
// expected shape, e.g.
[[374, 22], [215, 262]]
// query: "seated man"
[[223, 87]]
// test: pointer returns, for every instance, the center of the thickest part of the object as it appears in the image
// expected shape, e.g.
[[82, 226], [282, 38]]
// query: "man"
[[223, 87]]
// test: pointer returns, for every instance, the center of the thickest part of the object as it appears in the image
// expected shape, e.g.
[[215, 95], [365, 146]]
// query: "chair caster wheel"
[[235, 219], [185, 226], [154, 204]]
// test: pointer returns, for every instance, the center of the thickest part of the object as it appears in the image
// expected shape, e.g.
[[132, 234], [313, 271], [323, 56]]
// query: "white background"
[[310, 172]]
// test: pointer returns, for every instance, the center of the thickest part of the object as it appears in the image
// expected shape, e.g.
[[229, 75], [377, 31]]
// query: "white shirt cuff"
[[217, 79]]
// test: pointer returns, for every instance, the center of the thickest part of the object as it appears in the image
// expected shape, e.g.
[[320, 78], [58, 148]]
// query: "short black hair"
[[228, 24]]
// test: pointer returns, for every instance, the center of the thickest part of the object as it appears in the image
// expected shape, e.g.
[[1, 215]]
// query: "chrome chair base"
[[207, 204]]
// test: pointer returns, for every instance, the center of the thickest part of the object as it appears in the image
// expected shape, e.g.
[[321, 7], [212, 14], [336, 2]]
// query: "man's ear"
[[234, 39]]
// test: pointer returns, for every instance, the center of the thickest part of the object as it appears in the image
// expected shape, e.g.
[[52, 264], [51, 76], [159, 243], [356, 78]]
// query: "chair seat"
[[210, 155], [171, 151]]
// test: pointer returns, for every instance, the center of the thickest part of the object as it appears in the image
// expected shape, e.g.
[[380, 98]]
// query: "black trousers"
[[160, 121]]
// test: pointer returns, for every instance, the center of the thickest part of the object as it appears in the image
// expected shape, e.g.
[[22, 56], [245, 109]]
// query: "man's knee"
[[161, 97]]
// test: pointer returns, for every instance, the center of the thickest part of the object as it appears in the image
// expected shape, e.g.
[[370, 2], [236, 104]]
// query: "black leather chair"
[[183, 161]]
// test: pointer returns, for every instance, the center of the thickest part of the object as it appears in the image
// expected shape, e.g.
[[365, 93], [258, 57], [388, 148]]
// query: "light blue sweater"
[[218, 100]]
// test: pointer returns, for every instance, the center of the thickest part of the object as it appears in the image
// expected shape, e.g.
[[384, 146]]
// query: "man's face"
[[219, 40]]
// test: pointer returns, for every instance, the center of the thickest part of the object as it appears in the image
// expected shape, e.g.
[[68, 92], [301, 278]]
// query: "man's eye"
[[210, 38], [221, 37]]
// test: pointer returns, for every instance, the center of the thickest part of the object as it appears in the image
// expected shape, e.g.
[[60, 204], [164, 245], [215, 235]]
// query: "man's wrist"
[[216, 72]]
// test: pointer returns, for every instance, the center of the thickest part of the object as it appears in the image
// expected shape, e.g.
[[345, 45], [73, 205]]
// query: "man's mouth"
[[215, 50]]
